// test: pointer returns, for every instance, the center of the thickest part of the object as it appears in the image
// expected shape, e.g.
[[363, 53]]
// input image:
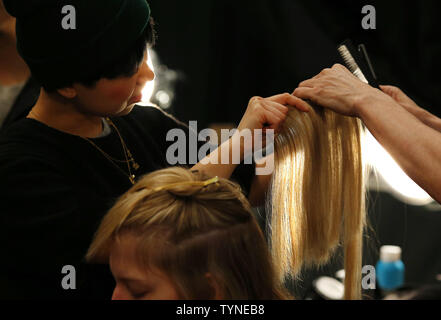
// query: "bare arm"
[[415, 146], [261, 113], [403, 100]]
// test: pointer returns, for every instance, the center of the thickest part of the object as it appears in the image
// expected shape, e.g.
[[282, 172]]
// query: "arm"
[[261, 113], [403, 100], [415, 146], [261, 183]]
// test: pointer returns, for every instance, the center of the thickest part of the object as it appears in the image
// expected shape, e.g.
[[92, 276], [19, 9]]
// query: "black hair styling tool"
[[358, 62]]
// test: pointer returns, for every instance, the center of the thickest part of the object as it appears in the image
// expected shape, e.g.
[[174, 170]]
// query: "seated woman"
[[178, 234]]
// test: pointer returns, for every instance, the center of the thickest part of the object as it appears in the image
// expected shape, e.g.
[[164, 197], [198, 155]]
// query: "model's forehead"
[[122, 258]]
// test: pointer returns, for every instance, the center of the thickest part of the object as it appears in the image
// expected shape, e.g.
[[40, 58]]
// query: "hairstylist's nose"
[[145, 74]]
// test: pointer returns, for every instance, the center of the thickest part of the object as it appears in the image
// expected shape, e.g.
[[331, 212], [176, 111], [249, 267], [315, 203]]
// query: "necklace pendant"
[[132, 179], [135, 165]]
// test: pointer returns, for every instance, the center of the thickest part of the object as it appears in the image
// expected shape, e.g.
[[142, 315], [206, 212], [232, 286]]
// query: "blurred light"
[[163, 98], [398, 183], [160, 91], [149, 88]]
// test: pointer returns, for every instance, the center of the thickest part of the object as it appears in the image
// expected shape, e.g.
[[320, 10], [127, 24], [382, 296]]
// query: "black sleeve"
[[243, 174]]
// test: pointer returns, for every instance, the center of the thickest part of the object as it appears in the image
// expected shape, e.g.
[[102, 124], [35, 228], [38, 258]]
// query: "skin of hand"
[[335, 88], [261, 113], [407, 103], [269, 112], [414, 145], [401, 98]]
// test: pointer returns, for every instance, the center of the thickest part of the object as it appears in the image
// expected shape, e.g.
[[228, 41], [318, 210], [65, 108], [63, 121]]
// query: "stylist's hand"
[[269, 113], [337, 89]]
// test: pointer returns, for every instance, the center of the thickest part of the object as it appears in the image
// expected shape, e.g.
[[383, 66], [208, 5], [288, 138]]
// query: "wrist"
[[368, 100]]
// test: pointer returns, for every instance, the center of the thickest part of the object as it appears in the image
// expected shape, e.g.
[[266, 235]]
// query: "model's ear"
[[68, 92], [215, 285]]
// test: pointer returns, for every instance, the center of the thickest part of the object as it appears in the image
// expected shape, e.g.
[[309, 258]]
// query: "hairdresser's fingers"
[[284, 98], [300, 104], [277, 121], [339, 102], [306, 93], [260, 113], [310, 83], [270, 117], [277, 108]]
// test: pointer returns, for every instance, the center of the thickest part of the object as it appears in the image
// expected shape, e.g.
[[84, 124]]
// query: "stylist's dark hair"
[[125, 66]]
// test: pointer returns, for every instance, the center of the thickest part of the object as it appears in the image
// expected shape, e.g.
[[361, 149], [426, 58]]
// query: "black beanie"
[[105, 30]]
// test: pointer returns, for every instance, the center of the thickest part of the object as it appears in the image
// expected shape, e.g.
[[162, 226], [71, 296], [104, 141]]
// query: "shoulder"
[[29, 137]]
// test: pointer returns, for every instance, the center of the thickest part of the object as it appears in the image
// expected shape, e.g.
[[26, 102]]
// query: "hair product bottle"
[[390, 268]]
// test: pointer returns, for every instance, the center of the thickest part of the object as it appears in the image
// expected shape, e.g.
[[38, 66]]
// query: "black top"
[[55, 189], [23, 103]]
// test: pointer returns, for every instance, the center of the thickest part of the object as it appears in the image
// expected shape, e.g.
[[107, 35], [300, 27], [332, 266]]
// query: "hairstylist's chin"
[[126, 110]]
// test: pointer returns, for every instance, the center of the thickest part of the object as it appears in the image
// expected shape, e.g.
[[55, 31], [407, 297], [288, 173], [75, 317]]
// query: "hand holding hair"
[[337, 89], [393, 120], [269, 112]]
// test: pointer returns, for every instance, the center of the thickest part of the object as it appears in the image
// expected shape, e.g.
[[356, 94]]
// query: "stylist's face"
[[114, 97], [132, 281]]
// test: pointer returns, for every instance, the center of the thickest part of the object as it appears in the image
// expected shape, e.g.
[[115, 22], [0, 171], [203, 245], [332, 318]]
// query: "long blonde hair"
[[318, 194], [186, 228]]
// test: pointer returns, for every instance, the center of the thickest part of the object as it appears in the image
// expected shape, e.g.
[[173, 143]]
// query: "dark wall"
[[228, 51]]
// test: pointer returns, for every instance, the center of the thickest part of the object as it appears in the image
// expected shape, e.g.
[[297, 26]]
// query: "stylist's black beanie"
[[105, 29]]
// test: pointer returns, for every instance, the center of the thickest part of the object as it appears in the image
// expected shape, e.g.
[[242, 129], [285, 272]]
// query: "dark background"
[[227, 51]]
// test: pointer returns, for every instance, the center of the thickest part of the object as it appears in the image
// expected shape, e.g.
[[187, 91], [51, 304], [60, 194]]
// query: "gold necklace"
[[127, 152], [130, 161]]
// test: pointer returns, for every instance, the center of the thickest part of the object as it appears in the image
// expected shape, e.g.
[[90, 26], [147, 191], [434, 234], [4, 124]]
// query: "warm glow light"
[[398, 182], [149, 88]]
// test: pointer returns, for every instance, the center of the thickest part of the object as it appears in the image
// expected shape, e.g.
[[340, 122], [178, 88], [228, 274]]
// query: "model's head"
[[89, 53], [181, 234]]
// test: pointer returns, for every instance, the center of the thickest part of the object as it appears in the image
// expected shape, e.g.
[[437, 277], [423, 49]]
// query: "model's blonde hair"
[[318, 194], [188, 226]]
